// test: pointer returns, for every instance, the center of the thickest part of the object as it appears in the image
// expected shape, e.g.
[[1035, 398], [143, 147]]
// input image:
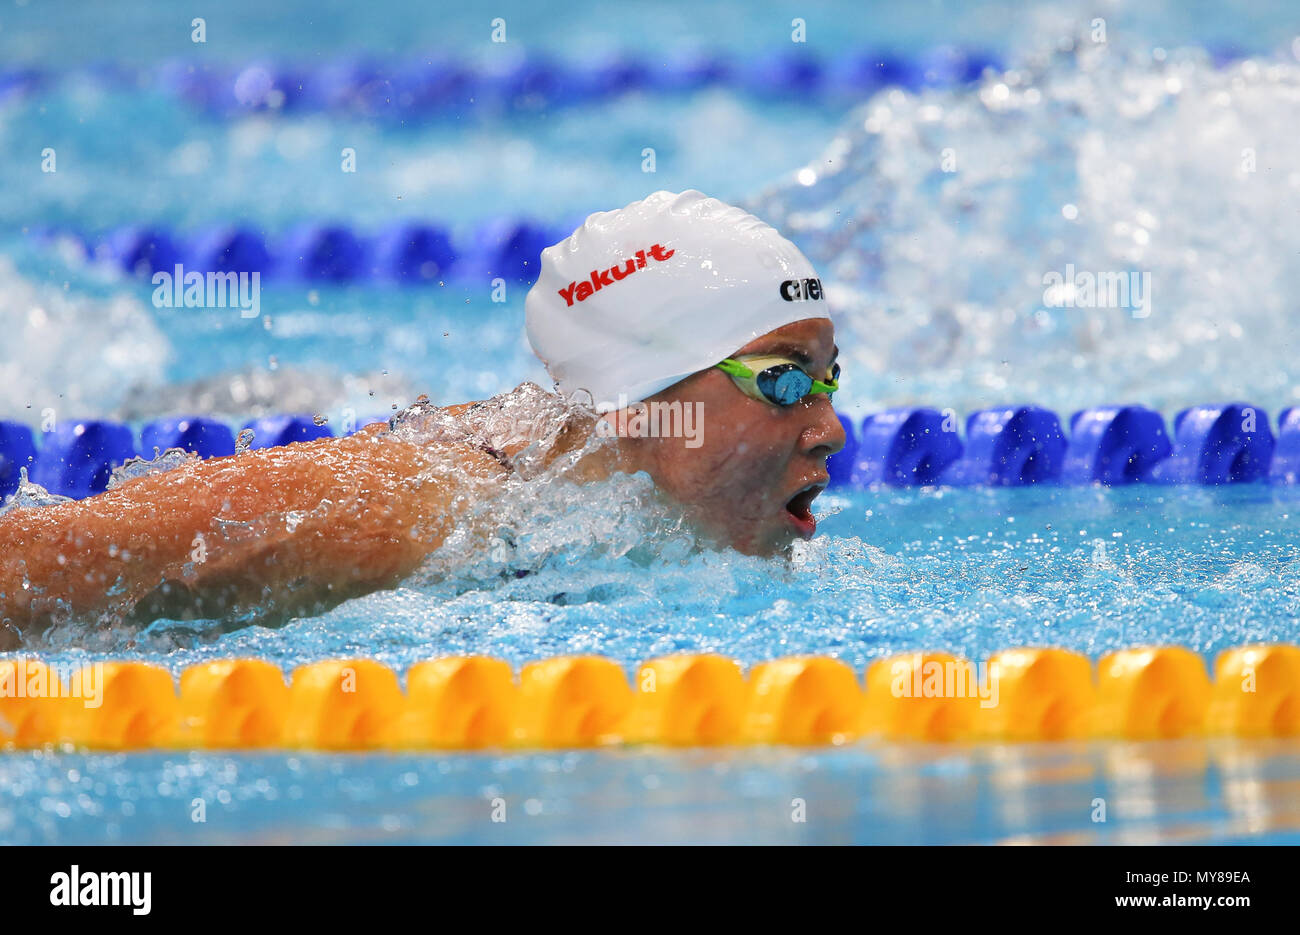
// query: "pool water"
[[970, 571], [1173, 792], [1127, 157]]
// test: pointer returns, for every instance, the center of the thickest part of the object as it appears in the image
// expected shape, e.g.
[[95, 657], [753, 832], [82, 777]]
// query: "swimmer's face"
[[752, 469]]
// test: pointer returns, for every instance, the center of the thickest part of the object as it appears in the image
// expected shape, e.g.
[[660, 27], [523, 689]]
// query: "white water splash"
[[935, 217], [29, 495], [168, 460], [79, 354]]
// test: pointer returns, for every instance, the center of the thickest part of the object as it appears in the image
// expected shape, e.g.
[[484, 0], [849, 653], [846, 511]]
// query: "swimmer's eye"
[[777, 380]]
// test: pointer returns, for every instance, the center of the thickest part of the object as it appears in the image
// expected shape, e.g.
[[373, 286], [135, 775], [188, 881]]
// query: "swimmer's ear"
[[572, 434], [605, 428]]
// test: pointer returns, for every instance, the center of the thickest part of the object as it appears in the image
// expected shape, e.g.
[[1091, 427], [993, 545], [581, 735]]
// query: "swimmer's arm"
[[292, 529]]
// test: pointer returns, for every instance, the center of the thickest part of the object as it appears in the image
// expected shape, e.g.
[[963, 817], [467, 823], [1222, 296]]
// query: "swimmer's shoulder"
[[414, 453]]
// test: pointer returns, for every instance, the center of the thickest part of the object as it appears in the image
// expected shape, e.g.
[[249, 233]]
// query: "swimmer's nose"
[[825, 436]]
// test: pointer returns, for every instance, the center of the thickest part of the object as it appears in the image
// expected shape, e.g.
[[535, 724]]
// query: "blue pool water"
[[937, 277], [1160, 793]]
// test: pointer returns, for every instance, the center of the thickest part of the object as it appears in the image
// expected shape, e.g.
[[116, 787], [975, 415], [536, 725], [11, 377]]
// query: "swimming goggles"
[[777, 380]]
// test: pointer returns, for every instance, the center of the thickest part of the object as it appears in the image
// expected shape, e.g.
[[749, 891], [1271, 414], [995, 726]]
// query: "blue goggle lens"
[[784, 384]]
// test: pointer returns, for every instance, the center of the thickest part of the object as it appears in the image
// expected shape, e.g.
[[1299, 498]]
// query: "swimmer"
[[678, 300]]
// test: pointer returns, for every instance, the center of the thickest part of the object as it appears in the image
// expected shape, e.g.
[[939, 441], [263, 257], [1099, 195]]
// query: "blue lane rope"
[[1015, 446], [442, 87], [409, 252], [1008, 446]]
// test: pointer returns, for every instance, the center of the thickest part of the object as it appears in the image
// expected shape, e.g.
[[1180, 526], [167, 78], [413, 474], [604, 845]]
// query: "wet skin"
[[291, 531], [755, 456]]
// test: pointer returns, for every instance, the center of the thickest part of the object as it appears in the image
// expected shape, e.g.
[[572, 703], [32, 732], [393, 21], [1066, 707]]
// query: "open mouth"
[[800, 509]]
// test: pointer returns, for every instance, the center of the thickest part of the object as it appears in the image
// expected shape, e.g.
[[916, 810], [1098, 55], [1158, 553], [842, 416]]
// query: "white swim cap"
[[638, 299]]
